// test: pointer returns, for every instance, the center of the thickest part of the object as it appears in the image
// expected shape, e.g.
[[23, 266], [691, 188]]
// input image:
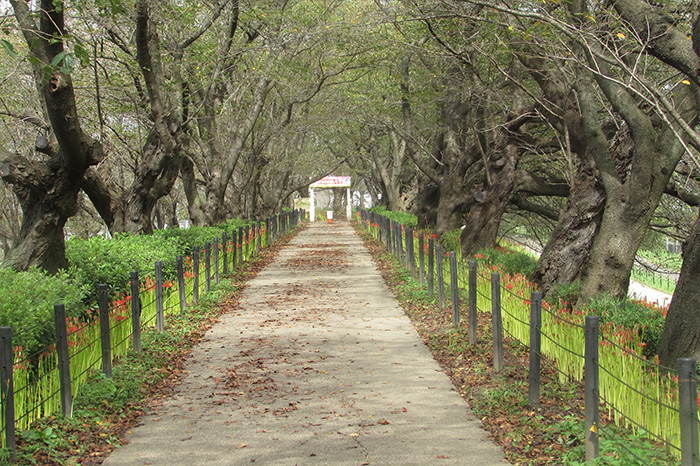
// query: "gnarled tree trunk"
[[681, 335], [48, 188]]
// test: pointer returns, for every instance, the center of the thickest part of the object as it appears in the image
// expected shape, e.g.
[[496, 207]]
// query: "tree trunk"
[[41, 241], [567, 250], [620, 234], [48, 189], [490, 202], [681, 335]]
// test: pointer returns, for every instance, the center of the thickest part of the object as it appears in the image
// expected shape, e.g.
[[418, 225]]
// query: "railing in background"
[[636, 392], [43, 384]]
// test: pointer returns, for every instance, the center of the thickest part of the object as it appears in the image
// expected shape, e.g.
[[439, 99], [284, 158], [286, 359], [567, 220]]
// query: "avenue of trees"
[[578, 119]]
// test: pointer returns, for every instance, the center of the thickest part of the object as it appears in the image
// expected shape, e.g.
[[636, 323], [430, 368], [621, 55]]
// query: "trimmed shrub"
[[193, 236], [96, 261], [404, 218], [26, 305], [511, 262], [642, 317]]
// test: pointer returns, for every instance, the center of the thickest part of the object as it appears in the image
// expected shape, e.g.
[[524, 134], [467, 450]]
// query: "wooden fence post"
[[472, 302], [421, 257], [207, 267], [247, 241], [591, 388], [224, 252], [181, 284], [688, 406], [105, 337], [496, 321], [234, 251], [535, 344], [7, 390], [63, 360], [431, 267], [454, 285], [216, 260], [195, 280], [410, 253], [440, 277], [135, 311], [240, 243], [160, 324]]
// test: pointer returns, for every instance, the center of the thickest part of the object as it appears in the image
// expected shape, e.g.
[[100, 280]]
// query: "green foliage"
[[403, 218], [26, 304], [567, 293], [511, 262], [643, 318], [193, 236], [96, 261], [450, 240]]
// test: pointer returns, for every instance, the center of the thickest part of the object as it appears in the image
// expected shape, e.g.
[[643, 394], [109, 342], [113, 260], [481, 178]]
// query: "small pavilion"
[[329, 182]]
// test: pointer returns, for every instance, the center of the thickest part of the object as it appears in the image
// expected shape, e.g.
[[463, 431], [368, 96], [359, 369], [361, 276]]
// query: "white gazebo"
[[326, 183]]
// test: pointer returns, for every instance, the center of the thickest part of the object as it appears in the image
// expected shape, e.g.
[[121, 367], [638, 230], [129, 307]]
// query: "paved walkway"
[[319, 366]]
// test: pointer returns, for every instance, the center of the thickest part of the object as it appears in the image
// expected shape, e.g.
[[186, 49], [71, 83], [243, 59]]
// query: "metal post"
[[105, 337], [63, 360], [472, 302], [535, 343], [7, 390], [687, 401], [135, 311], [440, 277], [181, 284], [591, 388], [160, 321], [454, 284], [431, 267], [496, 321], [195, 265], [258, 238]]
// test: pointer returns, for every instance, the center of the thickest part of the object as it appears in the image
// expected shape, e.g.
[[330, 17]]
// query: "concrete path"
[[319, 366]]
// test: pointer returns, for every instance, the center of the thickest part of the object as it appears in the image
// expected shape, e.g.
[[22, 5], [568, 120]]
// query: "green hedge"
[[26, 304], [97, 261], [198, 236], [404, 218]]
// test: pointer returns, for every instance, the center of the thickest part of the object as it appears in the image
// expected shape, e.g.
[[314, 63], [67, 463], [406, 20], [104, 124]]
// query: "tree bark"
[[681, 335], [566, 253], [48, 189]]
